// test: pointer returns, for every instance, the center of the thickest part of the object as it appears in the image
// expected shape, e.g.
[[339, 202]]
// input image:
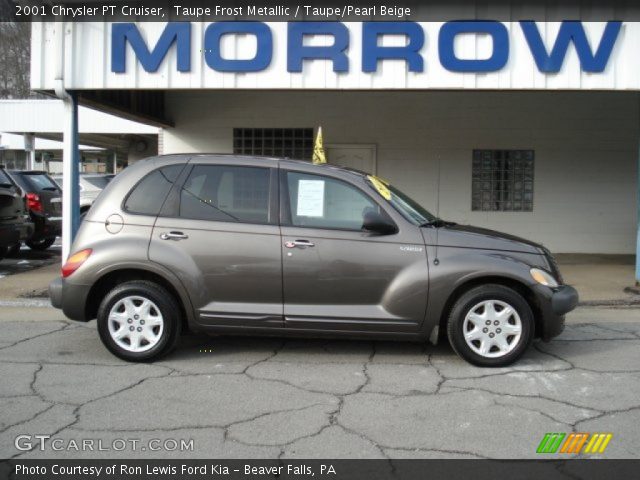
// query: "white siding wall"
[[586, 147], [88, 58]]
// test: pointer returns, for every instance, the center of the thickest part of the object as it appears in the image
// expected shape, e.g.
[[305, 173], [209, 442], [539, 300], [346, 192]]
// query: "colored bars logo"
[[573, 443]]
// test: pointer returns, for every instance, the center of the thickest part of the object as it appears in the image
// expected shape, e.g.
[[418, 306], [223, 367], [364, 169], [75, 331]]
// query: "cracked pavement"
[[251, 397]]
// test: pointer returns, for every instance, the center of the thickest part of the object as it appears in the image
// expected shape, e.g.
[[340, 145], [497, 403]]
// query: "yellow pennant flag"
[[318, 149]]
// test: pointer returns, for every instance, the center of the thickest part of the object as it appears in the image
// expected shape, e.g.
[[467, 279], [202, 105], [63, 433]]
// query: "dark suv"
[[15, 224], [44, 200], [231, 244]]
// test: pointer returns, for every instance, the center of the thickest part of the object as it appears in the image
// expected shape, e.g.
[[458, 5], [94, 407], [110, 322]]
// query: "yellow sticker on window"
[[381, 186]]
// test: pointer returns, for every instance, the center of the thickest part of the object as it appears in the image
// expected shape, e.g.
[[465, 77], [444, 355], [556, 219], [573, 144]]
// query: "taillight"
[[34, 203], [75, 261]]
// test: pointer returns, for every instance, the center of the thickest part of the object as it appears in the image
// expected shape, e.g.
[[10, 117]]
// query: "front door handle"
[[299, 243], [173, 236]]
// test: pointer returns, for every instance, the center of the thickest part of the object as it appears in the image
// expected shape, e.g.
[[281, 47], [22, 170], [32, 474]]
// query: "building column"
[[30, 148], [70, 175], [638, 221]]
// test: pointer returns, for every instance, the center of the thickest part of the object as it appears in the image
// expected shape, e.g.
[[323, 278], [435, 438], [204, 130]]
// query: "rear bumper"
[[70, 298], [46, 227], [15, 233], [55, 293], [554, 304]]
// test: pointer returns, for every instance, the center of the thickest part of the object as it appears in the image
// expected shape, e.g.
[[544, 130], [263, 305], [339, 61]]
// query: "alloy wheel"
[[135, 324], [492, 328]]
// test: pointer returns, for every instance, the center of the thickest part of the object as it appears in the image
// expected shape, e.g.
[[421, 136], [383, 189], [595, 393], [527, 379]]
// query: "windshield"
[[409, 208]]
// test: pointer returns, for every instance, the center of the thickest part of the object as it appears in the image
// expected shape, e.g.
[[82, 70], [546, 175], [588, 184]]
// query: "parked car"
[[91, 184], [15, 223], [233, 244], [44, 201]]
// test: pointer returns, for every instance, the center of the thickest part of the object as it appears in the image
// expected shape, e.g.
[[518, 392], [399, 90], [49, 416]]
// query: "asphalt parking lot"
[[267, 398]]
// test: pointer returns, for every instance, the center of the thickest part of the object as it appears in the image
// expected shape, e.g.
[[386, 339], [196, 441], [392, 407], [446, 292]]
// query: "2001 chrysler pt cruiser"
[[234, 244]]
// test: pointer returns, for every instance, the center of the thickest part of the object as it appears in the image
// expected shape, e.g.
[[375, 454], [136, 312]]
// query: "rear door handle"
[[173, 236], [299, 243]]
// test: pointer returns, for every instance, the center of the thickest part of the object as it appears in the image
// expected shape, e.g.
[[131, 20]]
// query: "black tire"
[[41, 244], [167, 306], [14, 250], [3, 252], [463, 307]]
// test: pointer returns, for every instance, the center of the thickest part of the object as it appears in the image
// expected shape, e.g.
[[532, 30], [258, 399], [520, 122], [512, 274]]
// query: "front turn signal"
[[543, 278], [75, 261]]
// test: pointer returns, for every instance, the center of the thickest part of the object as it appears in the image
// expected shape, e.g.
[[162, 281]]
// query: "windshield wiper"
[[438, 223]]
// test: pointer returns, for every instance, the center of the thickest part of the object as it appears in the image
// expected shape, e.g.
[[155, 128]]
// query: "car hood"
[[468, 236]]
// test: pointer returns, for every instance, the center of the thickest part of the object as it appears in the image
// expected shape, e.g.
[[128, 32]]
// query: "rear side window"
[[147, 196], [226, 193]]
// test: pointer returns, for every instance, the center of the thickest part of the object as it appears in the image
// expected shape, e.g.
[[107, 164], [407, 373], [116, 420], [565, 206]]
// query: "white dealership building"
[[525, 127]]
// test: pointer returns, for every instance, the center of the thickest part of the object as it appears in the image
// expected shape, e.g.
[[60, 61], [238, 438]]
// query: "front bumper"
[[72, 299], [564, 299], [554, 304]]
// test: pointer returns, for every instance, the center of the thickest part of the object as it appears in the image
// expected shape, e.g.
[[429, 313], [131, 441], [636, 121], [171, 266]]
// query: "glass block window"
[[502, 180], [295, 143]]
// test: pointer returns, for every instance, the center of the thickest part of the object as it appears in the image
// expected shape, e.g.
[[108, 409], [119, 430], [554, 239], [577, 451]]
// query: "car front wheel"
[[139, 321], [491, 326]]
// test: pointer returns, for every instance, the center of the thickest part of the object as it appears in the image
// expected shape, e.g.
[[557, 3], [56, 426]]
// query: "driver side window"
[[317, 201]]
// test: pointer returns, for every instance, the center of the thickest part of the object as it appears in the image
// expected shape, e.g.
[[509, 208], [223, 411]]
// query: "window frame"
[[492, 191], [239, 135], [172, 201], [285, 204]]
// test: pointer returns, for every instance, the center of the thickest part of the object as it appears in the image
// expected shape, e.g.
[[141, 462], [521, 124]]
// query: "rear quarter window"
[[147, 197]]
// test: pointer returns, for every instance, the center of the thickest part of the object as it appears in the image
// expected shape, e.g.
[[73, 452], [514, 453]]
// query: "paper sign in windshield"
[[310, 198]]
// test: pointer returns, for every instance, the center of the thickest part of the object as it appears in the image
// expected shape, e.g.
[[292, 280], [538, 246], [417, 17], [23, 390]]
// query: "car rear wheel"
[[491, 326], [139, 321], [41, 244]]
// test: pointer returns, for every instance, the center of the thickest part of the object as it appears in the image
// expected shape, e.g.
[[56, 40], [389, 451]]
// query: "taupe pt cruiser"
[[264, 246]]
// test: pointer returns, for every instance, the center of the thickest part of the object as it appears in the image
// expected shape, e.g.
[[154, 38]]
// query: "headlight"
[[543, 278]]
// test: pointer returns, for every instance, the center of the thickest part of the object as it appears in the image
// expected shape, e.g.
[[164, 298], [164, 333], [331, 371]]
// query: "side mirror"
[[378, 223]]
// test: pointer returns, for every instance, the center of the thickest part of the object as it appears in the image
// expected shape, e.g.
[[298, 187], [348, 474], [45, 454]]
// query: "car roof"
[[286, 162]]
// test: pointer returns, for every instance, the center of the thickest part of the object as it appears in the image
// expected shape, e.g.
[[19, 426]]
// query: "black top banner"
[[306, 10]]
